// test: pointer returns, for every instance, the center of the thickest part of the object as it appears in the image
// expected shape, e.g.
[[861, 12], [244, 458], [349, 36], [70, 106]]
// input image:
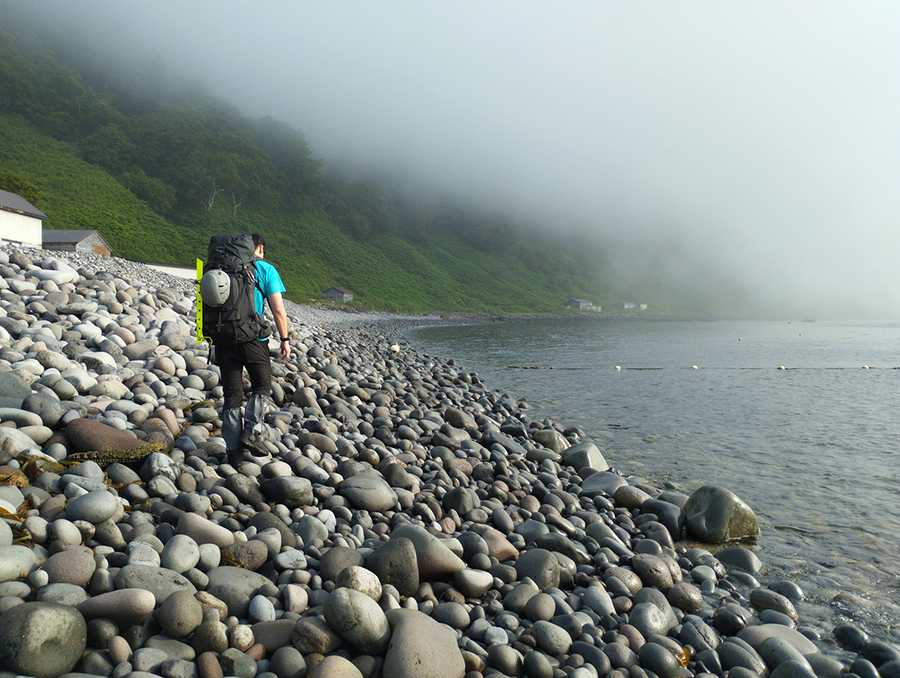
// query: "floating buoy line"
[[619, 368]]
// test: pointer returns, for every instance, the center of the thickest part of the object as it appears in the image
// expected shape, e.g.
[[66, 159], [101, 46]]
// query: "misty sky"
[[761, 136]]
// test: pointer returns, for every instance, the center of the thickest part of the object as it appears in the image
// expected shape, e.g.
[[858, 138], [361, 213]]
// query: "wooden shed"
[[76, 241], [339, 294], [20, 221]]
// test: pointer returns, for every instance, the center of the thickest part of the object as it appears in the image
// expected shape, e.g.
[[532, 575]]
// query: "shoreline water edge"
[[409, 522]]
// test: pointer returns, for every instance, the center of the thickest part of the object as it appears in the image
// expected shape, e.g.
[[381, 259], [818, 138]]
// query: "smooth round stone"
[[620, 656], [627, 577], [473, 583], [703, 573], [788, 589], [660, 660], [291, 491], [75, 565], [180, 553], [21, 589], [851, 637], [360, 579], [368, 491], [158, 581], [453, 615], [335, 666], [94, 507], [242, 637], [204, 531], [421, 647], [505, 659], [764, 599], [119, 649], [435, 560], [180, 614], [312, 635], [126, 607], [540, 607], [261, 609], [495, 635], [210, 557], [652, 570], [773, 617], [757, 633], [776, 651], [147, 659], [537, 665], [288, 662], [65, 531], [735, 655], [552, 639], [395, 563], [43, 640], [250, 554], [598, 599], [64, 594], [541, 566], [793, 668], [650, 620], [358, 619], [210, 636], [685, 597], [295, 598], [338, 559], [715, 515], [142, 553]]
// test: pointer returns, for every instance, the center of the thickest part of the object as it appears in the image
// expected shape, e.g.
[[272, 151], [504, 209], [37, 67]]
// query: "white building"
[[20, 221]]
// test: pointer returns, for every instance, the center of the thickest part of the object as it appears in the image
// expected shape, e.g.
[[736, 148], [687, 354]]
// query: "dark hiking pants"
[[232, 360]]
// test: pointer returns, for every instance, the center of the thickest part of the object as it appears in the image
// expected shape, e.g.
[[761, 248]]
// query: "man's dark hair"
[[258, 240]]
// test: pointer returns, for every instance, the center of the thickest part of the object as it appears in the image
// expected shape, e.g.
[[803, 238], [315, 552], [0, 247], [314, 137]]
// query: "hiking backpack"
[[228, 288]]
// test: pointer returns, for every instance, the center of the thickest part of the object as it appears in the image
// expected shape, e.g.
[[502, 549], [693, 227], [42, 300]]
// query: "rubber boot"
[[232, 423], [256, 432]]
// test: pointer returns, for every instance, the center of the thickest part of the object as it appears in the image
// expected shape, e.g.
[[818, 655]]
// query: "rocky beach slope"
[[408, 523]]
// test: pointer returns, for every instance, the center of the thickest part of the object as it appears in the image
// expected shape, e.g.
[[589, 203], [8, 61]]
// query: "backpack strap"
[[257, 285]]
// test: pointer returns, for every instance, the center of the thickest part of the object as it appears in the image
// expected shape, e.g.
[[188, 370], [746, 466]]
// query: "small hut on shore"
[[339, 294]]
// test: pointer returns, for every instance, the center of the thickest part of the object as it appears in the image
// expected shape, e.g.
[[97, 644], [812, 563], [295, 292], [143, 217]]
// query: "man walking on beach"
[[250, 432]]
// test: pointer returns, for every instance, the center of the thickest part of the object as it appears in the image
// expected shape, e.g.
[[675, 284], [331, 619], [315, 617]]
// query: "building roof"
[[65, 236], [13, 202], [339, 289], [62, 236]]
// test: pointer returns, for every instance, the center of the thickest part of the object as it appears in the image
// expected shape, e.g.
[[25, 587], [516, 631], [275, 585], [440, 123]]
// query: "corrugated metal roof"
[[12, 202]]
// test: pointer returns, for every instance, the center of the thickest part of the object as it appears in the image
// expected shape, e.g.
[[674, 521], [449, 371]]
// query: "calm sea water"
[[813, 448]]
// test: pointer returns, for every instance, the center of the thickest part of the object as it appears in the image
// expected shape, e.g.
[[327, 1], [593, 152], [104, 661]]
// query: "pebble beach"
[[408, 522]]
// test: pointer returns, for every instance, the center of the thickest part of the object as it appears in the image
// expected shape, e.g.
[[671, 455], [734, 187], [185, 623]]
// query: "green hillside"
[[157, 167]]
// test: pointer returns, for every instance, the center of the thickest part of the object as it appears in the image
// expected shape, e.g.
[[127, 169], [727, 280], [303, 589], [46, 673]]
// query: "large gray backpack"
[[228, 289]]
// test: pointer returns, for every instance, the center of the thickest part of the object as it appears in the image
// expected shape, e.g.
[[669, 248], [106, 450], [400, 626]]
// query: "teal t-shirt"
[[269, 282]]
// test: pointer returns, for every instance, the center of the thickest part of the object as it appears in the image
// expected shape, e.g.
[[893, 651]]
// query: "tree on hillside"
[[15, 183]]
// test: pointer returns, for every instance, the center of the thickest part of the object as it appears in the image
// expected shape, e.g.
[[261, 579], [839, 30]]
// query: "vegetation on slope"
[[157, 168]]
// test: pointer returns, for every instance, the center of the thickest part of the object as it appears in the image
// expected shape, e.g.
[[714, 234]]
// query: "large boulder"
[[714, 515], [585, 455], [44, 640], [420, 647]]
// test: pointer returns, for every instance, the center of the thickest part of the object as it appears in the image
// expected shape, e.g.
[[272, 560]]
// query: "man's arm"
[[276, 303]]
